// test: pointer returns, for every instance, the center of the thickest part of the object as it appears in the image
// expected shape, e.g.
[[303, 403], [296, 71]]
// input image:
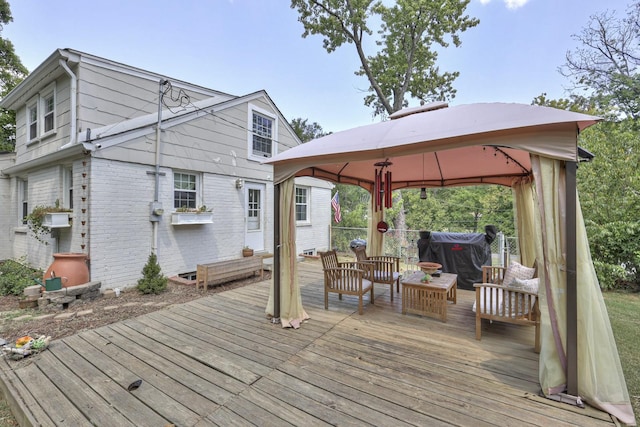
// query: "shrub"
[[152, 281], [615, 248], [15, 276]]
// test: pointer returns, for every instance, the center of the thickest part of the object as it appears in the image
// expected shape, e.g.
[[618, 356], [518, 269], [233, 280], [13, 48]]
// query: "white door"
[[254, 215]]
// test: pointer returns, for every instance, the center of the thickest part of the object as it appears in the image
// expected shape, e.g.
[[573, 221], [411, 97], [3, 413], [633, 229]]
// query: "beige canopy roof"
[[436, 145]]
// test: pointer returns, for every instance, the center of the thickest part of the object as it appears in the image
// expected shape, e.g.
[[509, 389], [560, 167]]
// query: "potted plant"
[[43, 218], [247, 251], [185, 215]]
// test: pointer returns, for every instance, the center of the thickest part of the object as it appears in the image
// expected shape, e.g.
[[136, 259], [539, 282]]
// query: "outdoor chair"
[[386, 269], [508, 295], [347, 278]]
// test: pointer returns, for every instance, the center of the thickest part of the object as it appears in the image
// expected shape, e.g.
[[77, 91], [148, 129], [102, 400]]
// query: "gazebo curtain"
[[292, 313], [524, 204], [601, 380]]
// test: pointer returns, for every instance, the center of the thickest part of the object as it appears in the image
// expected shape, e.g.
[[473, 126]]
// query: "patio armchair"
[[386, 269], [508, 295], [349, 278]]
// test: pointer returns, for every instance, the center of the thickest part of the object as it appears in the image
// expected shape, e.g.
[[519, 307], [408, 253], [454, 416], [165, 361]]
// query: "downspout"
[[156, 193], [73, 95]]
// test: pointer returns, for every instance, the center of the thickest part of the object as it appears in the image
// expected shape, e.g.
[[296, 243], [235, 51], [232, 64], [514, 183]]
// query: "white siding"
[[315, 235]]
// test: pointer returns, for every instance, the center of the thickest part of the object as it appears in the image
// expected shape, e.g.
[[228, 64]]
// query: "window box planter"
[[56, 220], [186, 218]]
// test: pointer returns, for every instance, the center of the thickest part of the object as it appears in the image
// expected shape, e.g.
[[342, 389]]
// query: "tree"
[[606, 63], [12, 72], [305, 131], [406, 63]]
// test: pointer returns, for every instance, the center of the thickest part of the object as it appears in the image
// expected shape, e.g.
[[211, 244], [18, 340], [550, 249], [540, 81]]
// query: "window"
[[302, 204], [41, 114], [262, 134], [67, 187], [253, 209], [32, 121], [23, 197], [48, 112], [263, 127], [184, 190]]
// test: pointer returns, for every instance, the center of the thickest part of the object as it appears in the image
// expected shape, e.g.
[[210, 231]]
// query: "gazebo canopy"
[[436, 145]]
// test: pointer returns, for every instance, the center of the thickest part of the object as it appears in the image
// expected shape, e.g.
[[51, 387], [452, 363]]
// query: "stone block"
[[109, 293], [77, 290], [43, 302], [94, 286], [32, 290]]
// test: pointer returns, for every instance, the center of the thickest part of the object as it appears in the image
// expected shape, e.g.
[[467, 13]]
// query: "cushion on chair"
[[517, 271], [528, 285], [495, 302], [385, 276]]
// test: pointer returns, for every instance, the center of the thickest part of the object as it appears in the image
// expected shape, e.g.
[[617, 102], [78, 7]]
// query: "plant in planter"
[[247, 251], [185, 215], [36, 220], [201, 209]]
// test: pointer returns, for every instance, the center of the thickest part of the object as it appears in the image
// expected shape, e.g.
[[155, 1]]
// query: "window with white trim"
[[32, 121], [185, 190], [23, 198], [41, 114], [302, 204], [48, 112], [67, 187], [263, 127]]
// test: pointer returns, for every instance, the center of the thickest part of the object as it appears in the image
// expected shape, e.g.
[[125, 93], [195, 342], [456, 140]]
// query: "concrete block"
[[32, 290]]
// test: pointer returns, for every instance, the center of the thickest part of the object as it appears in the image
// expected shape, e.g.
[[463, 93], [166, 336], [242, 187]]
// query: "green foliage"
[[461, 209], [15, 276], [406, 61], [12, 72], [35, 220], [152, 281], [306, 131], [615, 248]]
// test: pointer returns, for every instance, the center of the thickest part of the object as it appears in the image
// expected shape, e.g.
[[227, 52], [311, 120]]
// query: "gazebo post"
[[276, 253], [572, 302]]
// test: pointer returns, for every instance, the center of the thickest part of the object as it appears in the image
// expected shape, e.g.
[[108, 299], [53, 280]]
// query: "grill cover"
[[463, 254]]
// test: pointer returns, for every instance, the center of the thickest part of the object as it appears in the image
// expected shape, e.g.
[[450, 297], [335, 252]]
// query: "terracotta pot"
[[71, 267]]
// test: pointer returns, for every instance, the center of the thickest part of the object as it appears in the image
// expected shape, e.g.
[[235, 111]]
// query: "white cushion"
[[528, 285], [493, 301], [385, 276], [517, 271]]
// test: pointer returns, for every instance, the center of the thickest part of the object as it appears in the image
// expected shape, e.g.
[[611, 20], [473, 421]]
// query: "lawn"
[[624, 313]]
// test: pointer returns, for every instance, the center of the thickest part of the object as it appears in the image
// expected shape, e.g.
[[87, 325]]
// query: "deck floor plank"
[[218, 361]]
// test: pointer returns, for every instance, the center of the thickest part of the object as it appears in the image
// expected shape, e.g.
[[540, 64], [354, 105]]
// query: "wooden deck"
[[218, 361]]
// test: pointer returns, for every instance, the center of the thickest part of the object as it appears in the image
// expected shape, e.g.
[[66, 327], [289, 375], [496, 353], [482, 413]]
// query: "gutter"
[[73, 97]]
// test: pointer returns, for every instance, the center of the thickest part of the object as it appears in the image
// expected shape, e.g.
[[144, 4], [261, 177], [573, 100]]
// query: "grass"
[[624, 313]]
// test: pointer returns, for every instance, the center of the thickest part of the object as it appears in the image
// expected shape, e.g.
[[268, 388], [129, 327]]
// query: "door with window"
[[254, 216]]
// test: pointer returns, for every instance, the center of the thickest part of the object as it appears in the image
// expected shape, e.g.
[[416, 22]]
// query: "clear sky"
[[240, 46]]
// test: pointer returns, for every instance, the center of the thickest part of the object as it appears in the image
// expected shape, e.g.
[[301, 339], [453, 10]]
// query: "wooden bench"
[[496, 302], [219, 272]]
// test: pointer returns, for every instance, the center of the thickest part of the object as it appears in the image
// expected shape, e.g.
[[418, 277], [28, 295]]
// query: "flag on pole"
[[335, 204]]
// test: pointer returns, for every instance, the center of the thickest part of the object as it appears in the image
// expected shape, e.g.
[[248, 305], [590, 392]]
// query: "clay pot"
[[71, 267]]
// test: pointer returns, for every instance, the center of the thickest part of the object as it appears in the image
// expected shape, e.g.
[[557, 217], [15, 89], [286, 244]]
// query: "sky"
[[241, 46]]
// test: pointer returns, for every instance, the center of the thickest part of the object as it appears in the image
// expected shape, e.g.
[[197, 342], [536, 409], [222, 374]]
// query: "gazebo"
[[533, 150]]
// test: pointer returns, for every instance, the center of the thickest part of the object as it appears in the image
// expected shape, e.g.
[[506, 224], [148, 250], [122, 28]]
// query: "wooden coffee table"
[[429, 299]]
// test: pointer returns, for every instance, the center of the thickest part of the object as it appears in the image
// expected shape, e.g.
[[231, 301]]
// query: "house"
[[145, 163]]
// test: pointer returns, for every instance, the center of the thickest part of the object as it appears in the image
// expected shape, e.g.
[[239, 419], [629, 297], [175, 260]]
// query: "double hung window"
[[185, 186]]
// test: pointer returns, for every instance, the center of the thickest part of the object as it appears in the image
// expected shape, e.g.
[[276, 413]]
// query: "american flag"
[[335, 204]]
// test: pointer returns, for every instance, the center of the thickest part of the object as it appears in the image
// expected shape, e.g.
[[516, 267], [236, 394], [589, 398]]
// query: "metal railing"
[[404, 244]]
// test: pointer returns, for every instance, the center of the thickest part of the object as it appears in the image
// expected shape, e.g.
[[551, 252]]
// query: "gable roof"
[[50, 69]]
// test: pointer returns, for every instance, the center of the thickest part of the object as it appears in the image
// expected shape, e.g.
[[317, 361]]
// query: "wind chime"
[[382, 186]]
